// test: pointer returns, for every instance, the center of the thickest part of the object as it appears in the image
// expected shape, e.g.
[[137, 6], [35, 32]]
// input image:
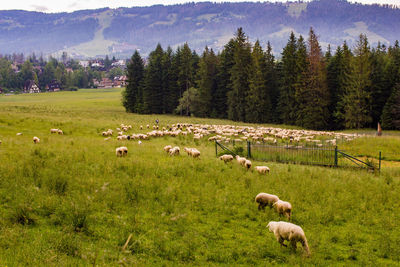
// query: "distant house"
[[120, 81], [31, 87], [104, 83], [53, 86]]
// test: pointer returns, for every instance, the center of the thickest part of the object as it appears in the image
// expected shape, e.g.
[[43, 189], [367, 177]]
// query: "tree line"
[[66, 71], [345, 88]]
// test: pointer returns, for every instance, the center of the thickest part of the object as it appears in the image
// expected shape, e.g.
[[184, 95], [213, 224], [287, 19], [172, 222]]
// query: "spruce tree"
[[239, 77], [170, 87], [258, 98], [391, 111], [355, 102], [132, 98], [288, 73], [207, 83], [271, 78], [226, 62], [153, 83]]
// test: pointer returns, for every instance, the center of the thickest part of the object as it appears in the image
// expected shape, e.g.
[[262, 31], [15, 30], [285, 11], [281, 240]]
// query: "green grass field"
[[70, 201]]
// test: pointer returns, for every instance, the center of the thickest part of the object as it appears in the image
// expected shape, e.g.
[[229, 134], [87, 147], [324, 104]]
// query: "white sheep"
[[18, 134], [290, 232], [60, 132], [247, 164], [139, 142], [262, 169], [106, 139], [264, 199], [226, 158], [167, 148], [240, 160], [195, 153], [36, 140], [53, 131], [283, 208], [174, 151], [121, 151]]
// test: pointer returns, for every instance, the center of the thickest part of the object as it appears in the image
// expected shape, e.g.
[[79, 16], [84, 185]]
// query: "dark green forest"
[[349, 88]]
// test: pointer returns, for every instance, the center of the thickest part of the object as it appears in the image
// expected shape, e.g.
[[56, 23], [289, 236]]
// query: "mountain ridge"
[[91, 33]]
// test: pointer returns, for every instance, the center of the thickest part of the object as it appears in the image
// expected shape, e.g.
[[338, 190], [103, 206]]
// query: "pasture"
[[69, 200]]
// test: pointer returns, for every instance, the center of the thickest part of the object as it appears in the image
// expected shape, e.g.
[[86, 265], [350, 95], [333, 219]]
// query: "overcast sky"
[[72, 5]]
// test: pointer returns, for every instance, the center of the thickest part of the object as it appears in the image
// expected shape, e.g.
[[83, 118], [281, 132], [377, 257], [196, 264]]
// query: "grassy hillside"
[[70, 201]]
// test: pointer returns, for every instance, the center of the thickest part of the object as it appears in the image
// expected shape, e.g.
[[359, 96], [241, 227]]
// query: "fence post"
[[336, 156], [249, 149], [216, 149], [380, 158]]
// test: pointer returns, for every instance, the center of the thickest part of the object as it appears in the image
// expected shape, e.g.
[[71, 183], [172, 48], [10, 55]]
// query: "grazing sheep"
[[167, 148], [290, 232], [60, 132], [36, 140], [18, 134], [53, 131], [283, 208], [148, 126], [174, 151], [264, 199], [121, 151], [262, 169], [106, 139], [195, 153], [139, 142], [247, 164], [226, 158], [240, 160]]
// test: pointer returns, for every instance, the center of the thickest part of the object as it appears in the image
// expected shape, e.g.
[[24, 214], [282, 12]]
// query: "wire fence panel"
[[294, 154]]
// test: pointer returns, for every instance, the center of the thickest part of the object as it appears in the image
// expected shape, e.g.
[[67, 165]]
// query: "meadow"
[[70, 201]]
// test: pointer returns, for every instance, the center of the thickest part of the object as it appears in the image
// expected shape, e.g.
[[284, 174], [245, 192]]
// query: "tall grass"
[[70, 201]]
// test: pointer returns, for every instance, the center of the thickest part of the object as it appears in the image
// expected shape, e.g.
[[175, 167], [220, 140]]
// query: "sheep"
[[60, 132], [240, 160], [174, 151], [53, 131], [195, 153], [264, 199], [290, 232], [139, 142], [18, 134], [106, 139], [141, 127], [36, 140], [247, 164], [167, 148], [262, 169], [121, 151], [283, 208], [226, 158]]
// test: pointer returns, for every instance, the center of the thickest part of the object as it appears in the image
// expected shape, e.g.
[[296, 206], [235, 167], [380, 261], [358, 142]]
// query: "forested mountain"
[[120, 31]]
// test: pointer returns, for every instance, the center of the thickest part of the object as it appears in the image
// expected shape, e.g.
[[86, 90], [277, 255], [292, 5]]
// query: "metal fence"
[[299, 154]]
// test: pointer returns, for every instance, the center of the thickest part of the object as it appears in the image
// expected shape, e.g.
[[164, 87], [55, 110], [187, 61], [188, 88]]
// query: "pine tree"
[[258, 98], [153, 83], [289, 71], [355, 102], [207, 83], [391, 111], [170, 86], [132, 96], [239, 77], [271, 78]]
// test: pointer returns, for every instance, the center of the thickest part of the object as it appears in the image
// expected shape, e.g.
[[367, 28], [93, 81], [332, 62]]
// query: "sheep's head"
[[271, 226]]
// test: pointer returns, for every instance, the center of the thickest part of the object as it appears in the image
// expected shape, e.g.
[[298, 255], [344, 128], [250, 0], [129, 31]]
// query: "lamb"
[[36, 140], [262, 169], [60, 132], [174, 151], [240, 160], [290, 232], [195, 153], [226, 158], [167, 148], [283, 208], [139, 142], [121, 151], [53, 131], [264, 199], [247, 164]]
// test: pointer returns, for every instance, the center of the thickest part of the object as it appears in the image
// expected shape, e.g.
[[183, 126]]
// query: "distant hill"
[[118, 32]]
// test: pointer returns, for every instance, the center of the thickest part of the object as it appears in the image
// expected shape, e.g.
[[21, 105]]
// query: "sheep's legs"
[[280, 240]]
